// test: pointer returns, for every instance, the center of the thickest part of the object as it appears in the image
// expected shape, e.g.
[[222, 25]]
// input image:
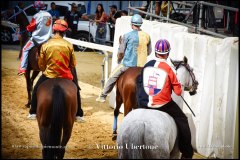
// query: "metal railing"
[[197, 29], [106, 50], [220, 6]]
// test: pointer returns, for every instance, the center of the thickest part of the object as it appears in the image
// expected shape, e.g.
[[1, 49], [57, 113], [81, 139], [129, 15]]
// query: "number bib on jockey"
[[153, 80]]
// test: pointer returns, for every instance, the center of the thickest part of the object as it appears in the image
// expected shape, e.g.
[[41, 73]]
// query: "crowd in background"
[[102, 19], [72, 17]]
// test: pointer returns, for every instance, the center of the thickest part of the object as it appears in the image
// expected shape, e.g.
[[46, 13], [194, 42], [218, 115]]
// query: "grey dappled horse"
[[153, 129]]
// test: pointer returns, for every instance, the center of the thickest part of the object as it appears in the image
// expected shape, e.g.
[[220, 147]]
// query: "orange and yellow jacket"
[[56, 58]]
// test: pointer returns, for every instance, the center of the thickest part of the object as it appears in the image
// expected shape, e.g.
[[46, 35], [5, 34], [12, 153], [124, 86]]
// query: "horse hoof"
[[114, 137]]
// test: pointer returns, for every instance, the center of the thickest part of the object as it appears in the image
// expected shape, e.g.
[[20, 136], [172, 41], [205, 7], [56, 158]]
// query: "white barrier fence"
[[215, 63], [103, 48]]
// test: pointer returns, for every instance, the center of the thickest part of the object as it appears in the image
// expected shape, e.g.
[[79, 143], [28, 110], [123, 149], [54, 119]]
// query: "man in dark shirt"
[[72, 18], [19, 7], [114, 14], [54, 12]]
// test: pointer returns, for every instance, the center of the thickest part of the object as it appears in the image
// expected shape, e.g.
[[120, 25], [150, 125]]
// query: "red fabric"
[[32, 26], [171, 84], [62, 70], [236, 18]]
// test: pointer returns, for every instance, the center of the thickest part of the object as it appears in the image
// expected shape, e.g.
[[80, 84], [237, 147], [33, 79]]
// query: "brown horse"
[[126, 88], [22, 20], [56, 112]]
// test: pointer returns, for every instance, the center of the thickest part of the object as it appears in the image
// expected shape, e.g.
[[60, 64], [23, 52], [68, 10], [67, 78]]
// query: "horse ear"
[[185, 60]]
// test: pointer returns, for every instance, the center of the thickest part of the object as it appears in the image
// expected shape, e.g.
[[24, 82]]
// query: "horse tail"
[[57, 116], [145, 134], [132, 137]]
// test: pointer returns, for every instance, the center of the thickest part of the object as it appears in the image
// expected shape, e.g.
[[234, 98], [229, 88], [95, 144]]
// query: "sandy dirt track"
[[20, 138]]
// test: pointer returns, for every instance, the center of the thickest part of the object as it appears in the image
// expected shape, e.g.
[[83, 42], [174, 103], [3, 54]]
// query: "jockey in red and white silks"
[[41, 28], [159, 80], [154, 89]]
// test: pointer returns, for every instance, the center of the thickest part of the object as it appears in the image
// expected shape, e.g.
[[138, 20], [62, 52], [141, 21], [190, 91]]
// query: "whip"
[[188, 106]]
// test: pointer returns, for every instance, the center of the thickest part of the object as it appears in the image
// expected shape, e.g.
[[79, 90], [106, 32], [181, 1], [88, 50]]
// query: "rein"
[[20, 11], [181, 63], [195, 83]]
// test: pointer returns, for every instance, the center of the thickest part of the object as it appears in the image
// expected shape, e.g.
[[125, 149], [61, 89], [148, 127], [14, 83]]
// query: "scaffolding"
[[187, 6]]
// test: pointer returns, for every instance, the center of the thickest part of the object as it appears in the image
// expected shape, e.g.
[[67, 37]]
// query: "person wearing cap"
[[41, 28], [72, 18], [54, 12], [56, 60], [114, 14], [158, 95], [134, 48]]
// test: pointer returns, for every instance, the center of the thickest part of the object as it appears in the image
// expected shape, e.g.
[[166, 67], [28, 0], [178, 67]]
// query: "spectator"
[[233, 21], [158, 7], [101, 19], [144, 7], [124, 13], [54, 12], [164, 8], [72, 18], [146, 4], [19, 7], [208, 17], [114, 14], [5, 15]]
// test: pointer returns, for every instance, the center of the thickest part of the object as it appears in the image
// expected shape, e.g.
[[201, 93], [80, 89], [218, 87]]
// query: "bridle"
[[193, 89], [177, 64]]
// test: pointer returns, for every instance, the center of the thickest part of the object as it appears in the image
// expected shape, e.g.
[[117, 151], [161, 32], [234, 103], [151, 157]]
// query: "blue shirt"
[[136, 46], [54, 13]]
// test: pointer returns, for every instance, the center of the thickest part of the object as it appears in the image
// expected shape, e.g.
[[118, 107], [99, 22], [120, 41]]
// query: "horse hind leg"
[[46, 151], [67, 131], [29, 88], [29, 82], [119, 102]]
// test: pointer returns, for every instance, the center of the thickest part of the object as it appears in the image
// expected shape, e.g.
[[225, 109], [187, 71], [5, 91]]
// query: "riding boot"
[[75, 81], [184, 132], [79, 110]]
